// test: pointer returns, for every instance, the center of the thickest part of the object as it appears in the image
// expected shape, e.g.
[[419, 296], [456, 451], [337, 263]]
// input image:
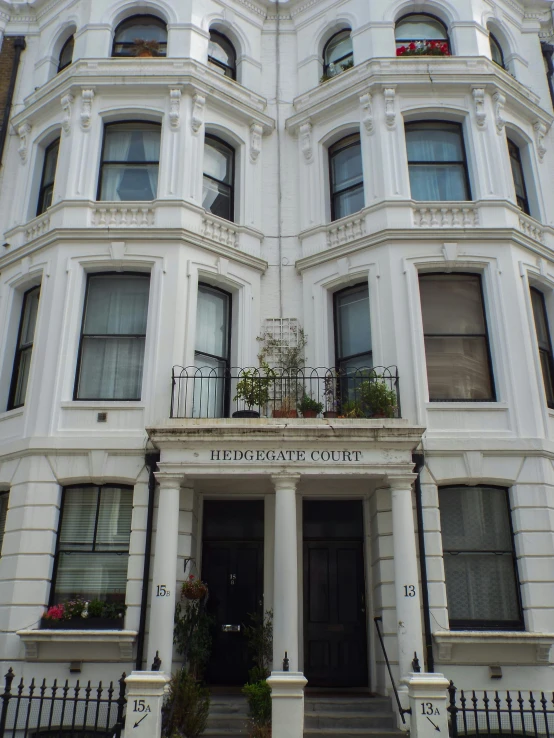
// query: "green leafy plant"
[[258, 695], [259, 639], [253, 386], [95, 608], [307, 403], [192, 635], [352, 409], [142, 47], [185, 711], [377, 397]]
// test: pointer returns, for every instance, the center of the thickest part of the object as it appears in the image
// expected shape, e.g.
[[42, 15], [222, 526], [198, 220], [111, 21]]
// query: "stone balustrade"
[[459, 215], [37, 227], [221, 231], [129, 215], [345, 230]]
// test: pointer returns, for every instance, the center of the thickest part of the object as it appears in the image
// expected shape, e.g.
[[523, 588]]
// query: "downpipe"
[[419, 461]]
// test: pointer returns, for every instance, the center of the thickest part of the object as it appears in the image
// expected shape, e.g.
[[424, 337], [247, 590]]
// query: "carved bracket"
[[479, 101], [540, 132], [306, 141], [23, 132], [175, 108], [256, 132], [67, 107], [197, 117], [366, 101], [390, 109], [499, 101], [87, 96]]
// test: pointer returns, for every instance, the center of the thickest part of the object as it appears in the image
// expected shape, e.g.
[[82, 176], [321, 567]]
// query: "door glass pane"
[[117, 305], [212, 322], [458, 368], [451, 304], [353, 323]]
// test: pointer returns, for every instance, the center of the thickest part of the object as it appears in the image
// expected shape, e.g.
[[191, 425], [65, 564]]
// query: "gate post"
[[428, 694], [145, 694], [287, 703]]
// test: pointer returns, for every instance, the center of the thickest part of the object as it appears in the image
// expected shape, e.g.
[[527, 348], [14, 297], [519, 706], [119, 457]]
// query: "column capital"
[[169, 481], [285, 481], [403, 481]]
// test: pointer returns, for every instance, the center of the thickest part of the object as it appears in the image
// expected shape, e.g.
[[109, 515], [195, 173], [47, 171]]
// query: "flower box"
[[82, 624]]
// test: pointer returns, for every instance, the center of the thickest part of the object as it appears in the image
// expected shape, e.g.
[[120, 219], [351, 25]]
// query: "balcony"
[[223, 392]]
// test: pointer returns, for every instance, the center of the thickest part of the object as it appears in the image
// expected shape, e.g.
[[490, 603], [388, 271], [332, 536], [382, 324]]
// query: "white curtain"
[[435, 180], [134, 146]]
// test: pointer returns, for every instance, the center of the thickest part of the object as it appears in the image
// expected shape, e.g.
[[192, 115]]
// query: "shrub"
[[185, 712], [258, 695]]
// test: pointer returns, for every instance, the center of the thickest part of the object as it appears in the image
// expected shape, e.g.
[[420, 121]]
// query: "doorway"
[[335, 632], [232, 567]]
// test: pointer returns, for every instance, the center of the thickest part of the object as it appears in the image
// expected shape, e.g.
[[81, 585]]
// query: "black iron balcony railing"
[[222, 392]]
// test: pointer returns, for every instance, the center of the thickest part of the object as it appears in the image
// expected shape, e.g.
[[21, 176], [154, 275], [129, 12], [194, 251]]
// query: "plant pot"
[[285, 414], [330, 414], [246, 414], [198, 595], [309, 414], [380, 414], [82, 624], [145, 53]]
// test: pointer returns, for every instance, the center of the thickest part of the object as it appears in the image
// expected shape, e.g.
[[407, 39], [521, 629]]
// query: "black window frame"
[[128, 44], [129, 165], [545, 351], [70, 42], [229, 71], [341, 59], [223, 144], [4, 503], [340, 360], [344, 143], [515, 156], [489, 624], [494, 40], [493, 397], [48, 188], [439, 124], [52, 600], [404, 41], [20, 350], [116, 275]]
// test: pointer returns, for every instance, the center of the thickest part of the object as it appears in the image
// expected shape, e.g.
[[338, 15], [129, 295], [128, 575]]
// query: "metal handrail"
[[402, 710]]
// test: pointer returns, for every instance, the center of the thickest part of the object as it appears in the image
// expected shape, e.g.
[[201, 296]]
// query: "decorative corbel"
[[175, 107], [23, 132], [499, 101], [366, 101], [390, 110], [87, 96], [479, 101], [197, 117], [67, 107], [256, 132], [306, 141], [540, 132]]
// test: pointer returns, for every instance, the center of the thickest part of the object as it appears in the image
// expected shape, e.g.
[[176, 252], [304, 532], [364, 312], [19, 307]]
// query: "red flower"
[[191, 577], [444, 49], [412, 46]]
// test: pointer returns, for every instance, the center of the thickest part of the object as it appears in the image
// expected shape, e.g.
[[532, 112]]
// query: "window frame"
[[145, 275], [45, 187], [19, 350], [342, 58], [332, 150], [434, 121], [137, 164], [338, 358], [52, 600], [404, 41], [70, 40], [212, 60], [228, 147], [493, 397], [460, 625], [547, 352], [494, 40], [160, 22], [4, 501], [522, 202]]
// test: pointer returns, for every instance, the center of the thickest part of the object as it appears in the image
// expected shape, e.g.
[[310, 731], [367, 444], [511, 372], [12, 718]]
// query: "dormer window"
[[141, 35]]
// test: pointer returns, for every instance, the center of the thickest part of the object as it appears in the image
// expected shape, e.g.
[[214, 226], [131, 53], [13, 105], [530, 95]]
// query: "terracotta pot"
[[309, 414], [145, 52], [246, 414], [330, 414], [285, 414]]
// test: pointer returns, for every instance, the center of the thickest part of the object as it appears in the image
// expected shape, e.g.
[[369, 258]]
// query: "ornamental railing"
[[80, 710], [222, 392], [496, 713]]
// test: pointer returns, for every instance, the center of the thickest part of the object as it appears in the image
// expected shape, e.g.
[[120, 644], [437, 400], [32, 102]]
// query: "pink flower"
[[56, 612], [412, 46]]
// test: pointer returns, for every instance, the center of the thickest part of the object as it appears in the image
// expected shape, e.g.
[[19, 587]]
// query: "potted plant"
[[253, 389], [309, 407], [330, 392], [377, 397], [352, 409], [286, 408], [81, 614], [424, 48], [142, 47], [194, 589]]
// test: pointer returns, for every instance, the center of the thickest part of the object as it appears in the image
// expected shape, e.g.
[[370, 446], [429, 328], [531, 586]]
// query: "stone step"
[[354, 733], [226, 721], [347, 720], [347, 704]]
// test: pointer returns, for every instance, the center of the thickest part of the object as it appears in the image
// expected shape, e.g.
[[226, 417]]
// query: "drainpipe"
[[151, 460], [547, 52], [279, 173], [419, 461], [19, 45]]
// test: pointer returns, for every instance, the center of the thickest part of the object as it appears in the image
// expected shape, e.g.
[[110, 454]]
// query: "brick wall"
[[7, 55]]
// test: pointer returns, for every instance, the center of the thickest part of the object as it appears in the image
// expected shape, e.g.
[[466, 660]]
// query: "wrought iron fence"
[[497, 713], [219, 392], [61, 711]]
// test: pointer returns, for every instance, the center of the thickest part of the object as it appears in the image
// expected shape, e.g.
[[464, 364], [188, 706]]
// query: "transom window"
[[346, 174], [48, 177], [141, 35], [544, 344], [211, 357], [479, 559], [218, 190], [130, 161], [421, 34], [24, 350], [111, 354], [456, 338], [519, 179], [496, 51], [222, 55], [4, 497], [338, 54], [93, 543], [66, 54], [437, 161]]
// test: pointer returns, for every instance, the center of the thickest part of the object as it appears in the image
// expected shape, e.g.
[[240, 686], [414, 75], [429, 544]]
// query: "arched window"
[[222, 55], [420, 34], [337, 54], [496, 51], [66, 54], [141, 35], [346, 174], [519, 179], [219, 178]]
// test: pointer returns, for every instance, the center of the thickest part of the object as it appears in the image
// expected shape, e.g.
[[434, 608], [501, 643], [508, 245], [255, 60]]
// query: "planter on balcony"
[[285, 414], [82, 624], [246, 414]]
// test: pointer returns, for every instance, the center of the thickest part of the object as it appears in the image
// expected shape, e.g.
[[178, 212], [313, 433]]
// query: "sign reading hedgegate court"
[[290, 455]]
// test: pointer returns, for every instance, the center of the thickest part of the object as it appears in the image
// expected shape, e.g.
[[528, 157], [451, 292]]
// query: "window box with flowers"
[[424, 48], [81, 614]]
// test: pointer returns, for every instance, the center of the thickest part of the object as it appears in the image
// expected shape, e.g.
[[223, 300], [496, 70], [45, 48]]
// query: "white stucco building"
[[277, 167]]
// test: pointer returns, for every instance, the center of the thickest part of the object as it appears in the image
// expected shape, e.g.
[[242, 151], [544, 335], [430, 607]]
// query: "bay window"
[[130, 161], [211, 357], [346, 174], [544, 344], [111, 353], [48, 177], [456, 338], [24, 349], [519, 179]]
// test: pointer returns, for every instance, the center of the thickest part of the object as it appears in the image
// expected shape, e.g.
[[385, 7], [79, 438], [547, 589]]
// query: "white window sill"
[[75, 645], [15, 413], [507, 645]]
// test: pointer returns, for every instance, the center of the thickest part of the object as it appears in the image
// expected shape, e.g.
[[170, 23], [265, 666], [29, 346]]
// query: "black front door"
[[335, 641], [232, 567]]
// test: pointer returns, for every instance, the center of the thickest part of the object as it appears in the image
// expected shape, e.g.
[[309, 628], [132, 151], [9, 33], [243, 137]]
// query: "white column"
[[406, 578], [164, 578], [285, 593]]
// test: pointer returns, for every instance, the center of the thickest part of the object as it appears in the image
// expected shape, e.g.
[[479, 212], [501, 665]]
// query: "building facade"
[[369, 184]]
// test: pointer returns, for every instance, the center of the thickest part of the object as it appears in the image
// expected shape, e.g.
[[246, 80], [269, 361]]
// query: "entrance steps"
[[228, 716], [349, 716]]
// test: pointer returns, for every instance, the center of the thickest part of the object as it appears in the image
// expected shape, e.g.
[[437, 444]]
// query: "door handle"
[[230, 628]]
